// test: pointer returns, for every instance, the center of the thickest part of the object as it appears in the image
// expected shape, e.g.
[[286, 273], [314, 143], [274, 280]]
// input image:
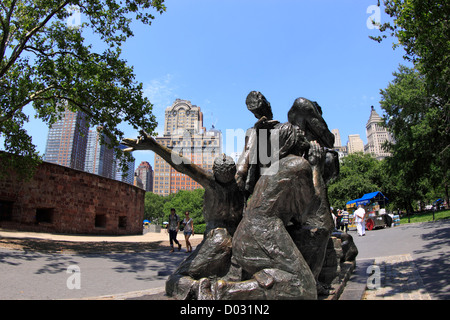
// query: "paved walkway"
[[148, 237], [408, 262], [398, 279], [392, 277]]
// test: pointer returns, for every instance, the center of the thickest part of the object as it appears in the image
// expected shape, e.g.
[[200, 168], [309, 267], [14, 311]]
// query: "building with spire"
[[377, 135]]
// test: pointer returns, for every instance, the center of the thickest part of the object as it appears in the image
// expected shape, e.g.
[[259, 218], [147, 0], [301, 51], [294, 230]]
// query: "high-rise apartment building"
[[67, 140], [124, 176], [355, 144], [99, 158], [184, 133], [145, 173], [377, 135]]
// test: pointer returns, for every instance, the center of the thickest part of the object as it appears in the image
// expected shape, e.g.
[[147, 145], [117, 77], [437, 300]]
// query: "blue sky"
[[214, 52]]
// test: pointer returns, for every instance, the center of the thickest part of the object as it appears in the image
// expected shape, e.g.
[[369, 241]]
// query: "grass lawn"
[[424, 217]]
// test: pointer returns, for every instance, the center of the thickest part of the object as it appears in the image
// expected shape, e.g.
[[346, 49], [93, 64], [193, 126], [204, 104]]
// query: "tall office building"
[[184, 133], [355, 144], [337, 138], [124, 176], [182, 116], [99, 158], [342, 150], [377, 135], [67, 140], [145, 173]]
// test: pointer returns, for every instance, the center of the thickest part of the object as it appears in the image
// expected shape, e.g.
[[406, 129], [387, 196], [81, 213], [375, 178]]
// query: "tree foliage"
[[359, 174], [46, 62], [420, 152], [185, 200], [158, 207], [422, 29], [153, 207], [417, 101]]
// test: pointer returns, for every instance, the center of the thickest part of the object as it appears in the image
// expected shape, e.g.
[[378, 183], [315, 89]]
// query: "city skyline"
[[182, 116], [318, 50]]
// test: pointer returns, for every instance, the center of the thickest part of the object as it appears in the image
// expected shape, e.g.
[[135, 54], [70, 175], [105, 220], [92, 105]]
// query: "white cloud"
[[161, 93]]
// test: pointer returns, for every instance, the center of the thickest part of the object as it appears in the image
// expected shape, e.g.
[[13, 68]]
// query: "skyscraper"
[[67, 140], [355, 144], [377, 135], [145, 173], [337, 138], [124, 176], [99, 158], [184, 133]]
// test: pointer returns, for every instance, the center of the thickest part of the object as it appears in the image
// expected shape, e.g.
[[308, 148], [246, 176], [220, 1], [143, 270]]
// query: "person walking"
[[173, 227], [188, 230], [344, 220], [359, 220], [338, 219]]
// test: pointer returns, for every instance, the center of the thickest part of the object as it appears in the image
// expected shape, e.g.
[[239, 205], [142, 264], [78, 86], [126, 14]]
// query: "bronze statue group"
[[267, 217]]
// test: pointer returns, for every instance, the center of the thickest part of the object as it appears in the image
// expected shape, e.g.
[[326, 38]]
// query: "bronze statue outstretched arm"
[[177, 161]]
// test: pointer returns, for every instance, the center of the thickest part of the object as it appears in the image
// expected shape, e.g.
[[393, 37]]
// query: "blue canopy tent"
[[368, 198], [376, 196]]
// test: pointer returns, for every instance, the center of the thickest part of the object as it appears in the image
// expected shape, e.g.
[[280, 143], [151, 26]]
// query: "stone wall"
[[63, 200]]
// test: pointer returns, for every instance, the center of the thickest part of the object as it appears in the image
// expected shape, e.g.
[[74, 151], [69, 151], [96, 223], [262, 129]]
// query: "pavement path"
[[44, 276], [413, 262], [147, 237]]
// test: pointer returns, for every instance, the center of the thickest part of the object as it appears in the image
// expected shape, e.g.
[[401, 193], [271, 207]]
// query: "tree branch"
[[31, 98], [42, 52], [20, 47], [6, 30]]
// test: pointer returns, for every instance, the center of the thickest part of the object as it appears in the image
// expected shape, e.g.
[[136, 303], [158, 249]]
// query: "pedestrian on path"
[[188, 230], [338, 218], [359, 220], [344, 220], [173, 227]]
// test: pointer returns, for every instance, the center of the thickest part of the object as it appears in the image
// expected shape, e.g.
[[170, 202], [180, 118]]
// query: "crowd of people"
[[342, 220]]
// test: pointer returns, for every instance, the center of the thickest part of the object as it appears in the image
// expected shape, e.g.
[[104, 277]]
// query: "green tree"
[[418, 161], [359, 174], [422, 28], [154, 207], [45, 61], [185, 200], [417, 102]]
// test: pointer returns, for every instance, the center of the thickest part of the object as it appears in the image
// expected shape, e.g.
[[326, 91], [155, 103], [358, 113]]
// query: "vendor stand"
[[374, 203]]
